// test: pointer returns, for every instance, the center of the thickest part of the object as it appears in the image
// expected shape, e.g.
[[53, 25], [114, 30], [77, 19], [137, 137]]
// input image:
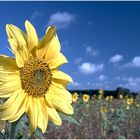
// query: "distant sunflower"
[[75, 97], [103, 109], [107, 98], [121, 96], [85, 98], [31, 80], [101, 92], [130, 101], [111, 98], [100, 97], [127, 107], [112, 110]]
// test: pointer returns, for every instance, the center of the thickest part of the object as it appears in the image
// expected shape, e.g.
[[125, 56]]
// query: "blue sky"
[[101, 40]]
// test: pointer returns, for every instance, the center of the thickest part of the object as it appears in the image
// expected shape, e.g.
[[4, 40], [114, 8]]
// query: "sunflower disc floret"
[[36, 77]]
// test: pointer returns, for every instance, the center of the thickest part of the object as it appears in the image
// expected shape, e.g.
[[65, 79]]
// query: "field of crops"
[[97, 117], [101, 117]]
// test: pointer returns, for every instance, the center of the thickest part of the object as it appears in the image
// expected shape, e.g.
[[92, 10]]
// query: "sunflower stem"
[[13, 130]]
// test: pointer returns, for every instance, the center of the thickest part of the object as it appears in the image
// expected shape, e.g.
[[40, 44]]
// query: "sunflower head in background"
[[130, 101], [75, 97], [103, 109], [31, 81], [101, 92], [121, 96], [86, 98]]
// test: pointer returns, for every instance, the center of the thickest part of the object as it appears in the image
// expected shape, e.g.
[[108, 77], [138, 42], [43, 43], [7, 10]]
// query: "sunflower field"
[[95, 117], [101, 117]]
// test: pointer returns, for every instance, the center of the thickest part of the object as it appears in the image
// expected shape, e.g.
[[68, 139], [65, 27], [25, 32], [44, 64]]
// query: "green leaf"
[[68, 118]]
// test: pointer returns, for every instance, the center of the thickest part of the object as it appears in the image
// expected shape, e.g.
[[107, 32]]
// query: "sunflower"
[[137, 105], [100, 97], [103, 109], [127, 107], [107, 98], [111, 98], [101, 92], [112, 110], [85, 98], [130, 101], [75, 97], [121, 96], [31, 81]]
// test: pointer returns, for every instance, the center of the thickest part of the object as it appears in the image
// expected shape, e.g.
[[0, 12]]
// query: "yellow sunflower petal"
[[60, 93], [45, 42], [62, 76], [63, 107], [32, 37], [53, 49], [59, 83], [57, 61], [53, 116], [10, 100], [59, 103], [32, 111], [7, 63], [8, 88], [8, 77], [42, 116], [17, 40], [36, 111], [20, 111], [9, 112], [10, 82], [21, 54], [15, 33]]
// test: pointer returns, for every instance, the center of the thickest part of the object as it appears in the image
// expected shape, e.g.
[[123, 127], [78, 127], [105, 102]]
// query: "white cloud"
[[136, 61], [98, 84], [132, 82], [88, 83], [94, 84], [36, 15], [116, 58], [89, 68], [61, 20], [78, 60], [92, 51], [102, 77]]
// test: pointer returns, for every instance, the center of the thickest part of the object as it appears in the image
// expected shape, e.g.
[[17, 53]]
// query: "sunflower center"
[[36, 77]]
